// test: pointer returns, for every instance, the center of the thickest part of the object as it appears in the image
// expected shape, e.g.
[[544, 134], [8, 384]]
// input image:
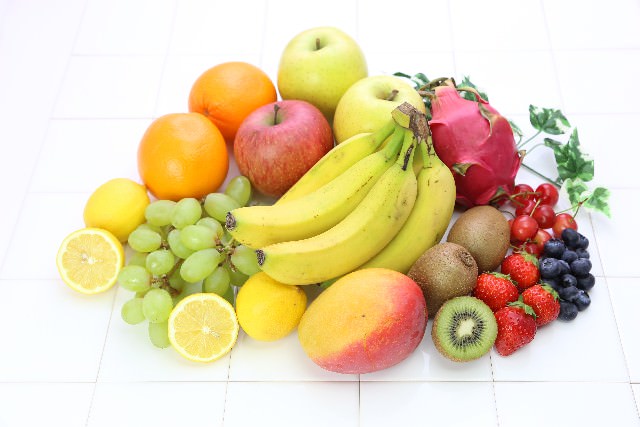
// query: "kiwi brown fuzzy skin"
[[444, 271], [489, 331], [484, 232]]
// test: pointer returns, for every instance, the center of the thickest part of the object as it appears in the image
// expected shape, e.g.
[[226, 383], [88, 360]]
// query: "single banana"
[[318, 211], [429, 218], [355, 239], [337, 160]]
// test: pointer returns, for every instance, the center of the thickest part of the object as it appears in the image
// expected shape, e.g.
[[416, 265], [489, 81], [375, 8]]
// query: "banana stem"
[[380, 135], [394, 145], [427, 157]]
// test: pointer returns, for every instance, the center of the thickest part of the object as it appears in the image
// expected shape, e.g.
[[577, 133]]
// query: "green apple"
[[366, 106], [318, 66]]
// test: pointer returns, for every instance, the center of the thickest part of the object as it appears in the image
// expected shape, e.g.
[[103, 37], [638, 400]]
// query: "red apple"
[[278, 142]]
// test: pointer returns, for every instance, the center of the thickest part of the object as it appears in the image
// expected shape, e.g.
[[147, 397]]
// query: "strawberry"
[[516, 327], [543, 299], [496, 290], [523, 269]]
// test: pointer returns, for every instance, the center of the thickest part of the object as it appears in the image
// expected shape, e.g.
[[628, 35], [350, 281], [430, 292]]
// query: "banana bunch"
[[360, 206]]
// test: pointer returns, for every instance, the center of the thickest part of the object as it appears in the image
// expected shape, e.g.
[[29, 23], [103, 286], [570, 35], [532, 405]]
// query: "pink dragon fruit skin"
[[477, 144]]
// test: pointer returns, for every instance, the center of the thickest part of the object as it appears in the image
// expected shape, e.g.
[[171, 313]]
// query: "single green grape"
[[213, 224], [131, 311], [176, 246], [239, 188], [230, 295], [186, 212], [159, 212], [134, 278], [157, 305], [245, 260], [217, 282], [197, 237], [159, 334], [143, 239], [137, 258], [176, 281], [237, 278], [200, 264], [160, 262], [218, 204]]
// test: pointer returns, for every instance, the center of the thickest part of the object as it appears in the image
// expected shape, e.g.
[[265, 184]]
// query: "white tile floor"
[[81, 79]]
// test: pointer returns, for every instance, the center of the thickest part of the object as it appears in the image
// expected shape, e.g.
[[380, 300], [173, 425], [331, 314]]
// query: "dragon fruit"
[[477, 144]]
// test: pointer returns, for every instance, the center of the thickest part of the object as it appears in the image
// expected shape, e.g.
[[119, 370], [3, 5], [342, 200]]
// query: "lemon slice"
[[203, 327], [89, 260]]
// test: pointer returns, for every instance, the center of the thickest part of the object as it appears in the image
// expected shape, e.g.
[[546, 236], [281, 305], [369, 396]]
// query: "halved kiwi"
[[464, 329]]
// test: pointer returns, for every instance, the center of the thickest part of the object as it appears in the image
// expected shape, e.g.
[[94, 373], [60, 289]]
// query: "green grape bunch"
[[183, 248]]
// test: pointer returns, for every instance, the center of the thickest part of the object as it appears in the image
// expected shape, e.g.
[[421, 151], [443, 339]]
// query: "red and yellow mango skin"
[[366, 321]]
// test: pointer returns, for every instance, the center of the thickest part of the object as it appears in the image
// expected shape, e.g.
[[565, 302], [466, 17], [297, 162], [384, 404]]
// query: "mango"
[[367, 321]]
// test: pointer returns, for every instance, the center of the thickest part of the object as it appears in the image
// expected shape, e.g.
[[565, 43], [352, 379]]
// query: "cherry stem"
[[546, 178]]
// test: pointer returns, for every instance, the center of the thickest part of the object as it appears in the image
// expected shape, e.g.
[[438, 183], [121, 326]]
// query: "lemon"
[[118, 206], [269, 310], [89, 260], [203, 327]]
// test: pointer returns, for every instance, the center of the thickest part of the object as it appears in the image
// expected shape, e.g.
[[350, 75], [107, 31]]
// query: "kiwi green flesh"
[[464, 329]]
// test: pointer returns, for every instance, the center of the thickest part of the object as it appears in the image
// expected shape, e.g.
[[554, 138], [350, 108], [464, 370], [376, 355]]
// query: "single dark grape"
[[568, 280], [582, 253], [569, 256], [582, 300], [581, 267], [587, 282], [554, 248], [549, 267], [570, 237], [568, 311], [583, 242]]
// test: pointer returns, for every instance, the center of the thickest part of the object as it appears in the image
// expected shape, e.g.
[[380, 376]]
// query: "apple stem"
[[392, 95], [276, 108], [318, 43]]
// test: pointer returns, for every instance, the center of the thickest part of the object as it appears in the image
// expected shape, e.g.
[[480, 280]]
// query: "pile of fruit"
[[335, 225]]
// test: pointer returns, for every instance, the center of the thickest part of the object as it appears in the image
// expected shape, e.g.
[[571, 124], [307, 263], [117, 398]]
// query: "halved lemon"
[[89, 260], [203, 327]]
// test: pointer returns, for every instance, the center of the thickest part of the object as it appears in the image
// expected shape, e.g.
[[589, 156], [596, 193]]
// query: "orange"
[[182, 155], [229, 92]]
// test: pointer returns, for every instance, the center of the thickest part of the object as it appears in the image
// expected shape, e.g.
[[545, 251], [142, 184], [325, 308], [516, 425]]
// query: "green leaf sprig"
[[574, 167]]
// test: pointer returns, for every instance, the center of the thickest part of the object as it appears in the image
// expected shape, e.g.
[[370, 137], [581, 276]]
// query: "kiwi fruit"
[[485, 232], [444, 271], [464, 329]]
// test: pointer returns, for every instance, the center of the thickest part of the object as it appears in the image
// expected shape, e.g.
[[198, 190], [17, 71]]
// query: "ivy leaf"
[[468, 95], [576, 190], [580, 195], [570, 160], [548, 120], [599, 201], [418, 80]]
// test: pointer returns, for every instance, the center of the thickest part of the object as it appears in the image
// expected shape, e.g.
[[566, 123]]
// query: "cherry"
[[547, 194], [523, 227], [540, 238], [563, 220], [521, 193], [526, 207], [544, 215]]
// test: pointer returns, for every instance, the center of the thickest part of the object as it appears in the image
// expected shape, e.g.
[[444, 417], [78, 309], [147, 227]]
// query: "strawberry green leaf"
[[548, 120]]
